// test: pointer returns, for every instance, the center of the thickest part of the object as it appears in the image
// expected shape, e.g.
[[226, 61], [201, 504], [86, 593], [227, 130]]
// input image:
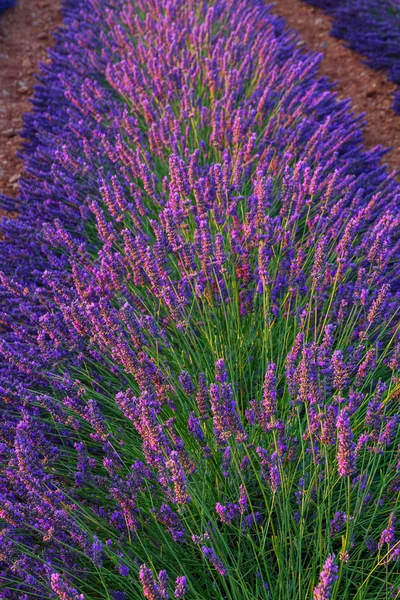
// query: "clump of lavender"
[[195, 192]]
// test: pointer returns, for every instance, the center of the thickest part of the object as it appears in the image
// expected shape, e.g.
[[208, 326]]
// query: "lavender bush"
[[200, 347], [371, 28]]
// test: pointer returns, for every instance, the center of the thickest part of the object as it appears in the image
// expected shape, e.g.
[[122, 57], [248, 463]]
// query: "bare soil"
[[371, 91], [24, 39]]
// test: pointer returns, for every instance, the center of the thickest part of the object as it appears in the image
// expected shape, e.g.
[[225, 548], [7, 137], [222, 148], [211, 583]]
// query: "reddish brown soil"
[[24, 40], [371, 91]]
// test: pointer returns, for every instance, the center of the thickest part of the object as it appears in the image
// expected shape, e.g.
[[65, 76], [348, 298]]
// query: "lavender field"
[[199, 329]]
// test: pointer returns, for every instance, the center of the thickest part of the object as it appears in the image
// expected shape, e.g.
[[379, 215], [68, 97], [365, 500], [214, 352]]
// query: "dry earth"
[[24, 40]]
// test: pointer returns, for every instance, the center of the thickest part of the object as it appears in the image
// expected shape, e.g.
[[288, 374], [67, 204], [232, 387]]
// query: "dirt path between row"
[[371, 91], [24, 40]]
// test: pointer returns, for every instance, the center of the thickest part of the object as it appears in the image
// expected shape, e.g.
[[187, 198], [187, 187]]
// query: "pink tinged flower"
[[268, 403], [202, 397], [341, 374], [186, 383], [346, 454], [388, 534], [378, 305], [151, 589], [178, 478], [227, 513], [328, 435], [243, 499], [63, 590], [180, 587], [212, 557], [327, 578]]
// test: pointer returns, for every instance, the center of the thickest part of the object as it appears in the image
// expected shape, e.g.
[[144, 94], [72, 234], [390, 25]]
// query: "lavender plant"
[[371, 28], [200, 347]]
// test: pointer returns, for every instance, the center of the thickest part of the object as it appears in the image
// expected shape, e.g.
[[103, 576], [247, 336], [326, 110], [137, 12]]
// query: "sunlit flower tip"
[[63, 590], [327, 578], [243, 499], [178, 478], [346, 454], [151, 589], [180, 587], [388, 534], [227, 513], [212, 557], [186, 383], [221, 373]]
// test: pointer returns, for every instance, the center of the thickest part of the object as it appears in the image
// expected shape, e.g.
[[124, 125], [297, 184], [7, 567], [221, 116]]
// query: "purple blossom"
[[346, 455], [211, 556], [186, 383], [227, 513], [172, 522], [327, 578], [388, 534], [151, 589], [180, 587], [63, 590], [268, 403], [178, 478]]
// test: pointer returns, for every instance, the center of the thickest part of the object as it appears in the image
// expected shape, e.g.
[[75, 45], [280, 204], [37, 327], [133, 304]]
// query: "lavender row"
[[371, 28], [200, 301]]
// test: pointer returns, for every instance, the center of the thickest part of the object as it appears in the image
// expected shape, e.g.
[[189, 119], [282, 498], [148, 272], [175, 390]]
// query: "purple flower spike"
[[346, 455], [63, 590], [180, 587], [186, 383], [388, 534], [211, 556], [327, 578], [151, 589]]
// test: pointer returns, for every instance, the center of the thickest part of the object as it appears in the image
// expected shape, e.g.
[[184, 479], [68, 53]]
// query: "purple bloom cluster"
[[326, 579], [193, 191], [372, 29]]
